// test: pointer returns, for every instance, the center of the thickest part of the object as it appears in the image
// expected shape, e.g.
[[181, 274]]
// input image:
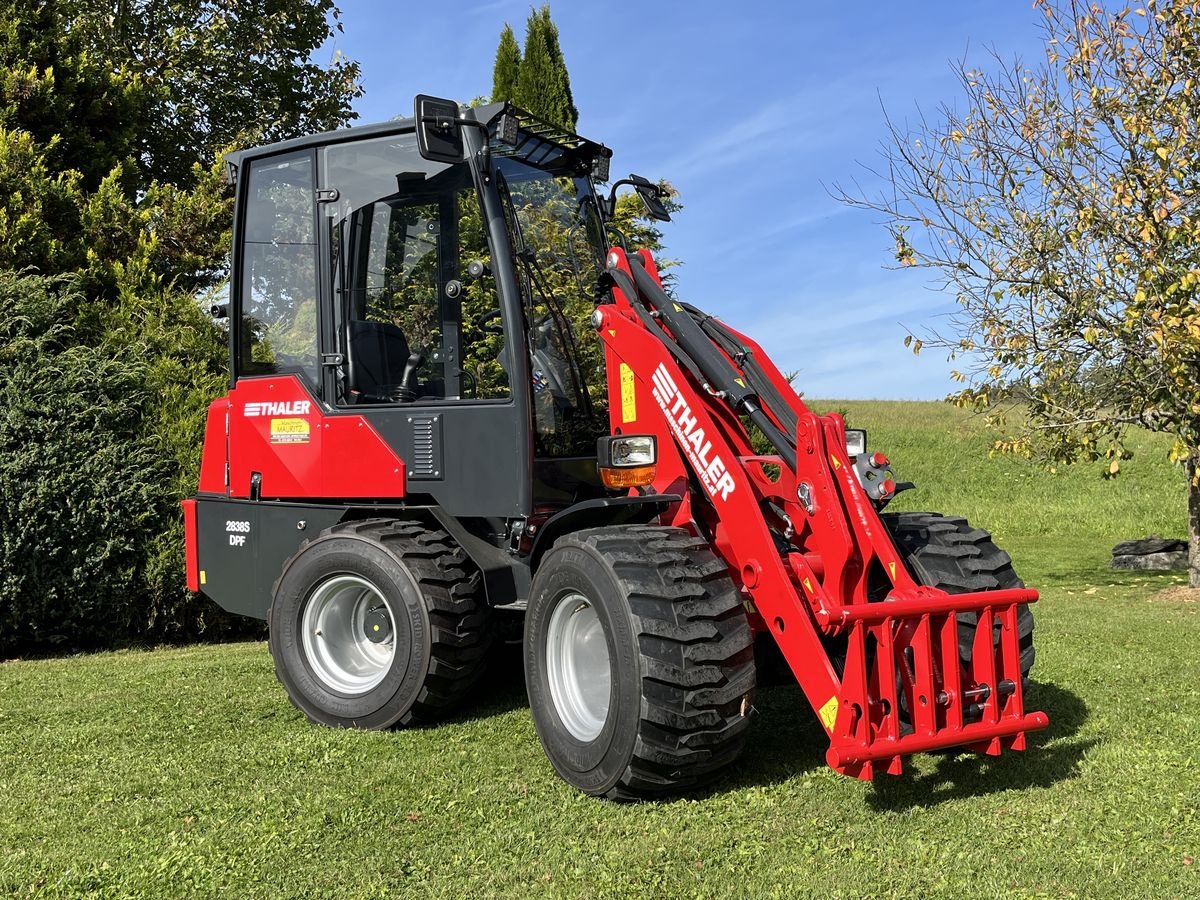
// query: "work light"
[[626, 460]]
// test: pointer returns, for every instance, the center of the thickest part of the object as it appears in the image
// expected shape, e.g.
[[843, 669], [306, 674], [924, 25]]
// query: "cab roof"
[[545, 138]]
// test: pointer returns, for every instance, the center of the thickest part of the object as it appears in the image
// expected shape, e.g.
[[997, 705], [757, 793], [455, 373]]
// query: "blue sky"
[[753, 111]]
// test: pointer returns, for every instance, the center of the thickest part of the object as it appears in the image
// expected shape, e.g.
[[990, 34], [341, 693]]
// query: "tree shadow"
[[1048, 760]]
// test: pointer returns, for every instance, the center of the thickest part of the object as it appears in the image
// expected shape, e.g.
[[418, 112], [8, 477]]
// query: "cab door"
[[415, 346]]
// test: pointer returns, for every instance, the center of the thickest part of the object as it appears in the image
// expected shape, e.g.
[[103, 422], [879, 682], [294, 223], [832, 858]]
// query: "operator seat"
[[378, 354]]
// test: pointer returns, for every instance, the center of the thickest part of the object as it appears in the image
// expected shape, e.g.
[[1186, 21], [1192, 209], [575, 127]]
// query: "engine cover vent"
[[425, 462]]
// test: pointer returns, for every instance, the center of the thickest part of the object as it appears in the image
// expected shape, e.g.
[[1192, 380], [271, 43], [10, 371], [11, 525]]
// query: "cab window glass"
[[412, 325], [558, 238], [278, 328]]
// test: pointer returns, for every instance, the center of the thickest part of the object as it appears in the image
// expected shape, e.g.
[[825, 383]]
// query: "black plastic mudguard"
[[595, 513]]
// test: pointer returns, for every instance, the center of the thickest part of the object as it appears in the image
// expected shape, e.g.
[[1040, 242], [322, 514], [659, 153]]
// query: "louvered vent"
[[426, 460]]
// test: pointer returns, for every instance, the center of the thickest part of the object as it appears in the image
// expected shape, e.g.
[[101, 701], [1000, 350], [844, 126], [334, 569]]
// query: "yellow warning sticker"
[[289, 431], [739, 382], [892, 568], [808, 585], [828, 713], [628, 395], [678, 308], [833, 459]]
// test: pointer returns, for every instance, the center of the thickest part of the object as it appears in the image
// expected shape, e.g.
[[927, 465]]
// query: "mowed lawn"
[[185, 772]]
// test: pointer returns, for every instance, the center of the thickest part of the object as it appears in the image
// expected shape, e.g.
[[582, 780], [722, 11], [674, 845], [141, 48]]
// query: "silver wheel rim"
[[578, 666], [338, 617]]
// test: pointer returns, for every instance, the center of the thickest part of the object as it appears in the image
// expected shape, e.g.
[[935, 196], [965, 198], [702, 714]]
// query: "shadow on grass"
[[788, 741], [501, 688], [973, 775]]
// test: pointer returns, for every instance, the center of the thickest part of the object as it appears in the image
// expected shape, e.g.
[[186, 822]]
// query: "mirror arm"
[[611, 204], [640, 184]]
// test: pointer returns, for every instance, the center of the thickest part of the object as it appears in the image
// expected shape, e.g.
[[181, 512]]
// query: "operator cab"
[[443, 300]]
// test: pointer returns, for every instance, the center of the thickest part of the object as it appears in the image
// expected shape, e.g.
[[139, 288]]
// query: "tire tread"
[[697, 656]]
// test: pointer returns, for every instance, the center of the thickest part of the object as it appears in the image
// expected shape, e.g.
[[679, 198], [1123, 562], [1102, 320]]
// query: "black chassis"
[[243, 544]]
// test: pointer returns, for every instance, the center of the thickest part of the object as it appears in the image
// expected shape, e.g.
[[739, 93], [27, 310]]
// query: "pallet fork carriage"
[[409, 453]]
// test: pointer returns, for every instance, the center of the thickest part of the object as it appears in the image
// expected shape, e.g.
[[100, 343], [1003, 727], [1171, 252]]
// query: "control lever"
[[406, 393]]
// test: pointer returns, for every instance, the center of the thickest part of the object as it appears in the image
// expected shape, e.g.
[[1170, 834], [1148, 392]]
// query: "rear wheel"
[[378, 623], [639, 661], [946, 552]]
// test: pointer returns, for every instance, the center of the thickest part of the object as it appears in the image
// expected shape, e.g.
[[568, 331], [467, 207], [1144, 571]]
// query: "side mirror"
[[650, 193], [651, 196], [439, 131]]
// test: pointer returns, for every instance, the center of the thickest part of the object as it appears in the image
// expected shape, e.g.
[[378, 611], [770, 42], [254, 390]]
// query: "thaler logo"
[[283, 408], [714, 474]]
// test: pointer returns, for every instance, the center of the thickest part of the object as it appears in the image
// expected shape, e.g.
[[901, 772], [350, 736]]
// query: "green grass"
[[185, 772]]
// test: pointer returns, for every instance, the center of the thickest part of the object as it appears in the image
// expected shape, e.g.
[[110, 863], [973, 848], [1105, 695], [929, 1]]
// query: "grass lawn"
[[185, 772]]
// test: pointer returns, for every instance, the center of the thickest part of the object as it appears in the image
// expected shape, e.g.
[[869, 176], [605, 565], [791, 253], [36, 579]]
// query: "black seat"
[[378, 354]]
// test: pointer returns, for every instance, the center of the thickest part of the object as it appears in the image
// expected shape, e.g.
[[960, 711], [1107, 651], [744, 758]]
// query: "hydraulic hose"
[[717, 372]]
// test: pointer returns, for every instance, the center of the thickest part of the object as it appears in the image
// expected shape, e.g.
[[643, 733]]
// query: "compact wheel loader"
[[457, 396]]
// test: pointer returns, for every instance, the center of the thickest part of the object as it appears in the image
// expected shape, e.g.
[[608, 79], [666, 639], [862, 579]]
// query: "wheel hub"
[[578, 666], [348, 634], [377, 625]]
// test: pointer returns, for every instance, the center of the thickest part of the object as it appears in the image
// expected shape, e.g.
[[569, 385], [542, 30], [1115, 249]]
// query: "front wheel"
[[639, 661], [946, 552]]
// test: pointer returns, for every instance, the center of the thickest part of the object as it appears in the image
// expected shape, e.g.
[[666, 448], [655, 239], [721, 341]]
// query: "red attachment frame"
[[902, 687]]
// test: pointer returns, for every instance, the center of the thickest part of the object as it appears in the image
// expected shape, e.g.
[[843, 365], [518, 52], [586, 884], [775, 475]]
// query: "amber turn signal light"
[[626, 460], [639, 476]]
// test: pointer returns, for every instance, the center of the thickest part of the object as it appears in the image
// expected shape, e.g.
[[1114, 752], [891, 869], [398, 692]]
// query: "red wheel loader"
[[457, 396]]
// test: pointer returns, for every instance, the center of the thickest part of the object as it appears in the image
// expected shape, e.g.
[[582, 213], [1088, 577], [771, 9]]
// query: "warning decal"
[[289, 431], [628, 395], [828, 713]]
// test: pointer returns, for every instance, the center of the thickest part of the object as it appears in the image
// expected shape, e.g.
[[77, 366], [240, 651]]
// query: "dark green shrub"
[[79, 491]]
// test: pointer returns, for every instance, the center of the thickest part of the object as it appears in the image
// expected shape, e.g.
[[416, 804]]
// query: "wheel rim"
[[349, 634], [578, 666]]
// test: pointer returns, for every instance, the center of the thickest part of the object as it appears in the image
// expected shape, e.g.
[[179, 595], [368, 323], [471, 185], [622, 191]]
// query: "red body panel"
[[906, 644], [215, 462], [191, 550], [275, 427]]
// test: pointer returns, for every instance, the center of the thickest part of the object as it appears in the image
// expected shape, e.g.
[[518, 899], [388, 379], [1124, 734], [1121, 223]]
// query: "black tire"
[[680, 660], [434, 607], [947, 553]]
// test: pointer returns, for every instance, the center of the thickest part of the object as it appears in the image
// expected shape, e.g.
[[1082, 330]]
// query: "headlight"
[[856, 442], [626, 460]]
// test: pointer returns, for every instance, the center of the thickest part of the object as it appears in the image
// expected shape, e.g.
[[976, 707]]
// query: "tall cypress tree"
[[565, 112], [506, 73], [544, 87]]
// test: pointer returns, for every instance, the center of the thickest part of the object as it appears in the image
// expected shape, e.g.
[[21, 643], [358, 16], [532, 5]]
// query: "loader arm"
[[876, 653]]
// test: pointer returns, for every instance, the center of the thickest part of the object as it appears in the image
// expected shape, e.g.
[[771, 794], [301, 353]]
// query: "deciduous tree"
[[1061, 204], [112, 117]]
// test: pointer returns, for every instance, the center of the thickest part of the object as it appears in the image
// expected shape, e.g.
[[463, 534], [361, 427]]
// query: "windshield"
[[557, 237]]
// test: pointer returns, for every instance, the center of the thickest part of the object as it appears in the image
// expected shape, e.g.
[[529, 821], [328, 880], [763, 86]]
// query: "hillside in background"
[[945, 452]]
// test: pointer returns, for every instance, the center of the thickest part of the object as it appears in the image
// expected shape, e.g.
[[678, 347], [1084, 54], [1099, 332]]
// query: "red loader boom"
[[902, 686]]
